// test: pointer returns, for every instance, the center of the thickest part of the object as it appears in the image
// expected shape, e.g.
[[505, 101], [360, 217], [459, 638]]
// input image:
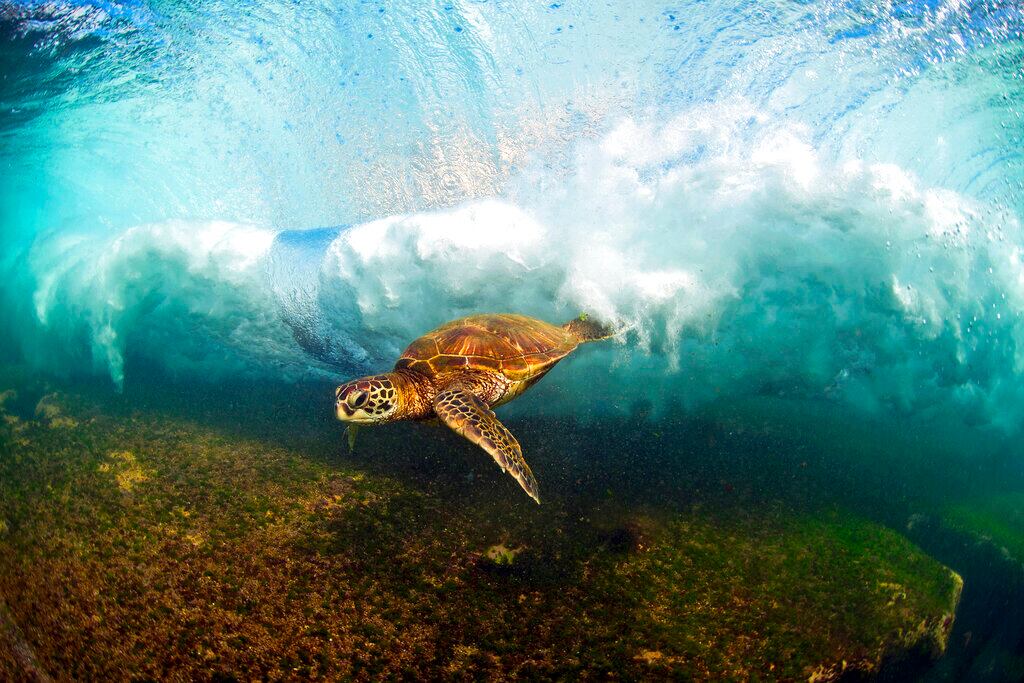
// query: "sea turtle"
[[459, 372]]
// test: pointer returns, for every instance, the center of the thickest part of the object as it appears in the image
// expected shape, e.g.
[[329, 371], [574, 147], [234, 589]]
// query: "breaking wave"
[[824, 217]]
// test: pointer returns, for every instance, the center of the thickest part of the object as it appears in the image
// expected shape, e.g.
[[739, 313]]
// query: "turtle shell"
[[515, 345]]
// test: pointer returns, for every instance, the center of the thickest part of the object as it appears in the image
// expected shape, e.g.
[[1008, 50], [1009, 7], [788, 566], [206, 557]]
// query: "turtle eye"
[[357, 399]]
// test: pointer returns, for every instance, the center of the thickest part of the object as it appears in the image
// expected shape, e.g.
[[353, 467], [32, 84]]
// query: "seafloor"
[[182, 532]]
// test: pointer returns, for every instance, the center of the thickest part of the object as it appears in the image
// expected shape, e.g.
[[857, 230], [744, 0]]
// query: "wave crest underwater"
[[818, 202]]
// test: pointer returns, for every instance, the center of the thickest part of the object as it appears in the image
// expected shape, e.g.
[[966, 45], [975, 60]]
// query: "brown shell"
[[515, 345]]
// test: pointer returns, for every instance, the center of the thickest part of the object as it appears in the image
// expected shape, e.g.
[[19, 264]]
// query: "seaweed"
[[144, 541]]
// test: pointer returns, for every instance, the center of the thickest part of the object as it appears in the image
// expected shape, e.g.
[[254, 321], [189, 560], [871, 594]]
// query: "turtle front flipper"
[[469, 416]]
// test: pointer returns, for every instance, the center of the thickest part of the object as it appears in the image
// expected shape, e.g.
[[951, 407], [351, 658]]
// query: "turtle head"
[[367, 400]]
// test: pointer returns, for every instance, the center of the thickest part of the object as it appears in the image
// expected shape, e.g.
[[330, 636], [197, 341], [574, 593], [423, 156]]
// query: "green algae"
[[144, 544], [998, 519], [766, 593], [501, 555]]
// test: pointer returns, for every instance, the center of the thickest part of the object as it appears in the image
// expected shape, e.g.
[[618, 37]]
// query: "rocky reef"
[[228, 536]]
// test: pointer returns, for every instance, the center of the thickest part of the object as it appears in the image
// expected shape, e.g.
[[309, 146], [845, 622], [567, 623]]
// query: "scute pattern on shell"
[[515, 345]]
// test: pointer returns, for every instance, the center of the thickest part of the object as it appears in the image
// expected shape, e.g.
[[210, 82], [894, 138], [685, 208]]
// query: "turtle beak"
[[344, 412]]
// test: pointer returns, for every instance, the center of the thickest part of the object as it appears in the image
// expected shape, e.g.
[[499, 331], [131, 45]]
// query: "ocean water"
[[804, 219]]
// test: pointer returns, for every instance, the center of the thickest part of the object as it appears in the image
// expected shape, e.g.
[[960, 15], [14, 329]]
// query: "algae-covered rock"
[[767, 593], [6, 396], [50, 411], [993, 519], [238, 555], [125, 469]]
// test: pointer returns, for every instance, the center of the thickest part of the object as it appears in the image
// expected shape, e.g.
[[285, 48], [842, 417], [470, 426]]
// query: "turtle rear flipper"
[[469, 416]]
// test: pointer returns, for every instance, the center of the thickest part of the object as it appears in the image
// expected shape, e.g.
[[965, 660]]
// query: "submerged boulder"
[[772, 593], [994, 520]]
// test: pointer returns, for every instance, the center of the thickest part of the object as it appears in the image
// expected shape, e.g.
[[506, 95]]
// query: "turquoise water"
[[818, 199], [811, 206]]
